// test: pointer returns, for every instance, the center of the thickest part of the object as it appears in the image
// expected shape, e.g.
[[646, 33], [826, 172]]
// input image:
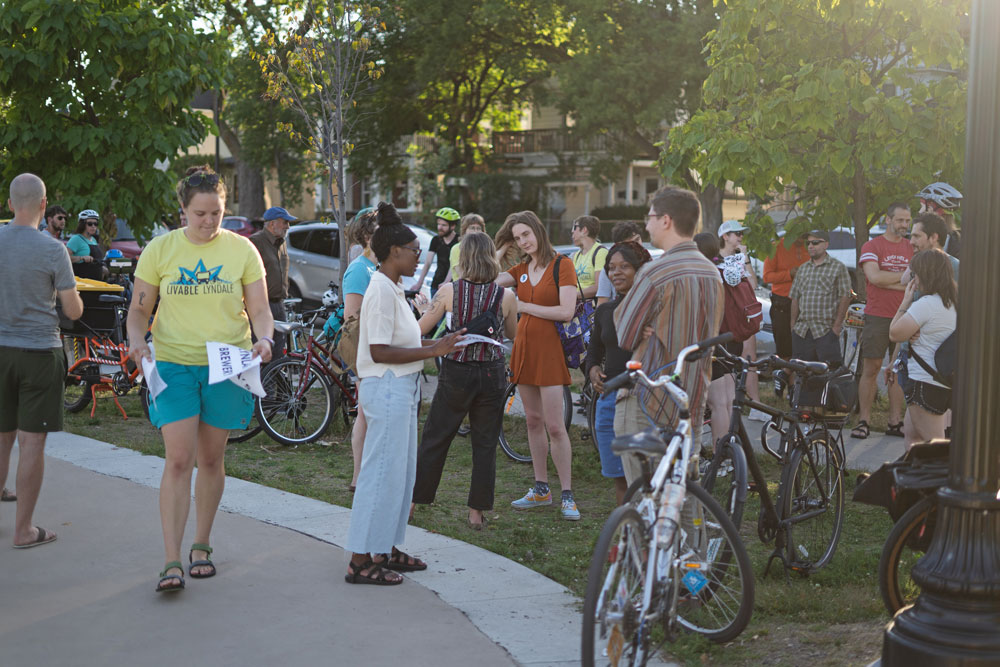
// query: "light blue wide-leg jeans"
[[389, 463]]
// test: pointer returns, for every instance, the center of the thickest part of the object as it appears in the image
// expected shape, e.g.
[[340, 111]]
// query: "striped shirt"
[[819, 289], [680, 295]]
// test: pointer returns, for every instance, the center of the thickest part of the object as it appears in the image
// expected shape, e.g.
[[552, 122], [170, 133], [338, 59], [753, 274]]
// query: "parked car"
[[239, 224], [314, 259], [125, 240]]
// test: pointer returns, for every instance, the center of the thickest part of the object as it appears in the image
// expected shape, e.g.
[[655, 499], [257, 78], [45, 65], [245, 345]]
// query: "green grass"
[[833, 617]]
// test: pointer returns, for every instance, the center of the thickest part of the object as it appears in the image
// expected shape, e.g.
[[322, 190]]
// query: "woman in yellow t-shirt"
[[207, 279]]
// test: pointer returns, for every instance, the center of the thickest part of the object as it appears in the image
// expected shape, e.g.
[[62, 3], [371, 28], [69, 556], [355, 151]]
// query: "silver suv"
[[314, 259]]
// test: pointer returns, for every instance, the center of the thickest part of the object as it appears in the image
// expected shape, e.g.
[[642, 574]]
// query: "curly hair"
[[390, 232], [632, 252]]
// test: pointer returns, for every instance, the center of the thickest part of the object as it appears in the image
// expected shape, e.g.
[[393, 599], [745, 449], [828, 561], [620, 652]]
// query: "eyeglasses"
[[202, 177], [815, 242], [415, 251]]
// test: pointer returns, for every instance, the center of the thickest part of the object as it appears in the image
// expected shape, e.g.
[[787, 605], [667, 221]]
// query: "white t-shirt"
[[386, 319], [936, 323]]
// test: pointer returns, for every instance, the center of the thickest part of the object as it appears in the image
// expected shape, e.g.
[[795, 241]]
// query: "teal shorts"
[[188, 394]]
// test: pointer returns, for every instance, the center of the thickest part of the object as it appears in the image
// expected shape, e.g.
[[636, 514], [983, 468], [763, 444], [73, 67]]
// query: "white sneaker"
[[758, 416]]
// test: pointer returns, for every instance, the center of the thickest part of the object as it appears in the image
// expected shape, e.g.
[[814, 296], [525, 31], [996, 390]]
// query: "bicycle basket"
[[829, 395]]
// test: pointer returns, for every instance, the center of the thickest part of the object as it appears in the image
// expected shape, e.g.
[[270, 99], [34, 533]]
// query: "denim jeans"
[[476, 389], [611, 463], [385, 483]]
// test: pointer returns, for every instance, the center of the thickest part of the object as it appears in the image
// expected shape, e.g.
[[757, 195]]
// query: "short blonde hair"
[[477, 258], [470, 219]]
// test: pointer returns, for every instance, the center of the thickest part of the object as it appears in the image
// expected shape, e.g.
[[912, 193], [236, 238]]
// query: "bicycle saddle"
[[111, 298], [648, 443], [285, 327]]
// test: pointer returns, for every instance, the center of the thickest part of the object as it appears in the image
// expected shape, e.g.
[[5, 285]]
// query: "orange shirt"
[[776, 268]]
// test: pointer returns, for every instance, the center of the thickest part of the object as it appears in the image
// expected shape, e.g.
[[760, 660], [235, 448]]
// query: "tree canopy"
[[91, 117], [839, 107]]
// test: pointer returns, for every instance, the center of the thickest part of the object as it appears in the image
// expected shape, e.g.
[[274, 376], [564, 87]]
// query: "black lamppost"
[[956, 619]]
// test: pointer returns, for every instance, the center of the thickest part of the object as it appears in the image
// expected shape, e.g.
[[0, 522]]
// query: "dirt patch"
[[795, 645]]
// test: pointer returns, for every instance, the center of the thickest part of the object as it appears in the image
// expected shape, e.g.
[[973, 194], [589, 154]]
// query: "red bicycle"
[[307, 387]]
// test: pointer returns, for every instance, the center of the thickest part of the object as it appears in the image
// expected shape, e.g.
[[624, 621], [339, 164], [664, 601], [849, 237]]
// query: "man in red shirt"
[[779, 271], [882, 259]]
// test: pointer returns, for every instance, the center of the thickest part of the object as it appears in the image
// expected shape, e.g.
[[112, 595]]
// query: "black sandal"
[[401, 562], [200, 563], [376, 575], [895, 430], [164, 577], [861, 431]]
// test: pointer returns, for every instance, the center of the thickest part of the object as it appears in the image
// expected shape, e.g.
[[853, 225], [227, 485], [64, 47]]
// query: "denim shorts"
[[611, 463], [188, 394], [932, 398]]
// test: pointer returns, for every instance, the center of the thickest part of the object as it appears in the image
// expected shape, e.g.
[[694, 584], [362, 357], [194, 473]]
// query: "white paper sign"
[[469, 339], [154, 383], [239, 366]]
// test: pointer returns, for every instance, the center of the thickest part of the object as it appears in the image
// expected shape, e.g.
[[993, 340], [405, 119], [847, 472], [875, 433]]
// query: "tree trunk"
[[251, 190], [248, 177], [859, 216], [711, 207]]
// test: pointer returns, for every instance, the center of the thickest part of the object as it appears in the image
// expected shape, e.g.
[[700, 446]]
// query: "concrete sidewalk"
[[279, 597]]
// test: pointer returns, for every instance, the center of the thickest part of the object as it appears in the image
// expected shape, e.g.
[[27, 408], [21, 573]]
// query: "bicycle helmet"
[[447, 213], [88, 213], [114, 253], [941, 194]]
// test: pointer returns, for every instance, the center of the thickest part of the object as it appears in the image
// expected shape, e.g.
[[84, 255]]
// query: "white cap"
[[731, 226]]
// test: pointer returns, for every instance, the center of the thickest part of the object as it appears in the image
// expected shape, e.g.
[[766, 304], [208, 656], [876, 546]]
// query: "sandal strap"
[[376, 571], [198, 546], [171, 565]]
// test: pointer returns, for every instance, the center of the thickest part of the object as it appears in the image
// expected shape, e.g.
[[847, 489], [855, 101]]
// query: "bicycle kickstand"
[[781, 557]]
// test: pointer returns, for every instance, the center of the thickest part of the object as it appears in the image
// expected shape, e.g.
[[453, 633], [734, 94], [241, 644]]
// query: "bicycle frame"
[[771, 524]]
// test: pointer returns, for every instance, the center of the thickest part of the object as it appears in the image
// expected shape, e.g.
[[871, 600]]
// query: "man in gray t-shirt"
[[34, 270]]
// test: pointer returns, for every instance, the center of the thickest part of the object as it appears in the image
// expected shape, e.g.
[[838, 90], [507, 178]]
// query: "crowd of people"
[[514, 286]]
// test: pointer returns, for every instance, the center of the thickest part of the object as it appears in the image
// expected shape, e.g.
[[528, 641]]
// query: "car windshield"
[[124, 233]]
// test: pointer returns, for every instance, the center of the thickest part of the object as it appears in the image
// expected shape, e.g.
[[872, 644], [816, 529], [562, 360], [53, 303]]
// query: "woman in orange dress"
[[537, 361]]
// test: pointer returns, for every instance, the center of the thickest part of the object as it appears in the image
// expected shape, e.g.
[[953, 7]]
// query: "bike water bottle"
[[669, 515]]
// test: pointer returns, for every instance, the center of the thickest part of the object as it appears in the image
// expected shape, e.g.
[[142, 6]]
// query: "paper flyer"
[[469, 339], [239, 366], [154, 383]]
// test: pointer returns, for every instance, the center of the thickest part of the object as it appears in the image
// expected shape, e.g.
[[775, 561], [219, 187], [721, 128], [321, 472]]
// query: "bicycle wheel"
[[715, 577], [513, 429], [144, 398], [76, 395], [906, 544], [812, 501], [613, 632], [242, 435], [299, 403], [725, 478]]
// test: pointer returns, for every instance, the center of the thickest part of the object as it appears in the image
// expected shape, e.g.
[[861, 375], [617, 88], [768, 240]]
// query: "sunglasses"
[[815, 242], [198, 178], [60, 217], [740, 234]]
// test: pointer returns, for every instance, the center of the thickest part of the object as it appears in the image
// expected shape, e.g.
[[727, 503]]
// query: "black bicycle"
[[805, 518]]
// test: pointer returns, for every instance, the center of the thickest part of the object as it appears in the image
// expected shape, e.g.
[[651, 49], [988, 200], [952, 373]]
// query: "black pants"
[[781, 325], [476, 389], [278, 312]]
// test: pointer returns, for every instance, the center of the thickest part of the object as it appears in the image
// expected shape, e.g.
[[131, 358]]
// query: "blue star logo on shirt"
[[200, 275]]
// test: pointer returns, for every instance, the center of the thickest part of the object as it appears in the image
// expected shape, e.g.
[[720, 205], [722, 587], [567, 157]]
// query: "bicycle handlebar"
[[799, 366], [689, 353]]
